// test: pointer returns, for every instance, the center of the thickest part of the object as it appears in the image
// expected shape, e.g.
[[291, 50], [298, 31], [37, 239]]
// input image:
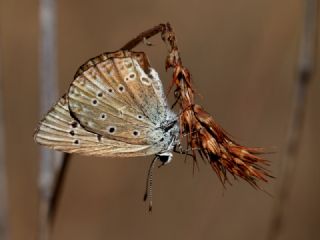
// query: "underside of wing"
[[144, 86], [60, 131], [119, 96]]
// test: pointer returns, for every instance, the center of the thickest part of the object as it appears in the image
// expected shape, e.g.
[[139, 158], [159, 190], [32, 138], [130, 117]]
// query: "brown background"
[[243, 57]]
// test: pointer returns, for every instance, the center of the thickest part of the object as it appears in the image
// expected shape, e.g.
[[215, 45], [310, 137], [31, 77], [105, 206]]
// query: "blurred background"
[[244, 59]]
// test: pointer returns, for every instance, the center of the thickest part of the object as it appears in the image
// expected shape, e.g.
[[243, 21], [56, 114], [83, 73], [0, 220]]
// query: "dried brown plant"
[[203, 134]]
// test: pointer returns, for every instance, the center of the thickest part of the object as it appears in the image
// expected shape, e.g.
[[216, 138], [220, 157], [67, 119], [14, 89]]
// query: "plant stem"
[[3, 176], [305, 74]]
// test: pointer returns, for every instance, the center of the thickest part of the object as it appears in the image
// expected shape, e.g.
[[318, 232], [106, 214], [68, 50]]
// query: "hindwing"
[[60, 131]]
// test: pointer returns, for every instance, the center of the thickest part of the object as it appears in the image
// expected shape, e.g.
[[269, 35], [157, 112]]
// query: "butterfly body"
[[114, 107]]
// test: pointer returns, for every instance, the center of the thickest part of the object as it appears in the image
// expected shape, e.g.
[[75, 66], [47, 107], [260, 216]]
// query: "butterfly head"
[[165, 157]]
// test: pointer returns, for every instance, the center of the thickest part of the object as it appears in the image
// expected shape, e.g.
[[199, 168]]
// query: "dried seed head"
[[212, 142], [204, 134]]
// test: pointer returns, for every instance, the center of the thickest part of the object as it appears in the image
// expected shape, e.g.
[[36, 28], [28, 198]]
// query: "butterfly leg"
[[178, 96], [182, 151]]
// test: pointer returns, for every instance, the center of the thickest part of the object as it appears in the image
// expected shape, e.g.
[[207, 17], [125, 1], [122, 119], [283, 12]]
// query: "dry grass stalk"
[[3, 174], [307, 63], [203, 134], [51, 161]]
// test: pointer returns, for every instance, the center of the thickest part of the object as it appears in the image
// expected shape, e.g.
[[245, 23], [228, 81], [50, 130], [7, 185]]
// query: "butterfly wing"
[[60, 131], [119, 96]]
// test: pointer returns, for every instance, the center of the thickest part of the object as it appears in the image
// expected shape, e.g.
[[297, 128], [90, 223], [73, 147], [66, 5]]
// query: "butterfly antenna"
[[148, 192]]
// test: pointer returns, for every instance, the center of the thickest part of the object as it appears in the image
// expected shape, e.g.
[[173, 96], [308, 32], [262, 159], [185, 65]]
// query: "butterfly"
[[115, 107]]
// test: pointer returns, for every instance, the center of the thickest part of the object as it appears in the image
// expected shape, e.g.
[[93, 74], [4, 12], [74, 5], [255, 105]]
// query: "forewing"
[[118, 96], [144, 85], [60, 131]]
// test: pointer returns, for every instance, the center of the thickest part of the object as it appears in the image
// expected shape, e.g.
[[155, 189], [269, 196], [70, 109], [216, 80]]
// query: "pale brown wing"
[[60, 131], [144, 86], [120, 97]]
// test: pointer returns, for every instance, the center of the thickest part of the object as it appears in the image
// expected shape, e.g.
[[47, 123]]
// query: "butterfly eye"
[[111, 129]]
